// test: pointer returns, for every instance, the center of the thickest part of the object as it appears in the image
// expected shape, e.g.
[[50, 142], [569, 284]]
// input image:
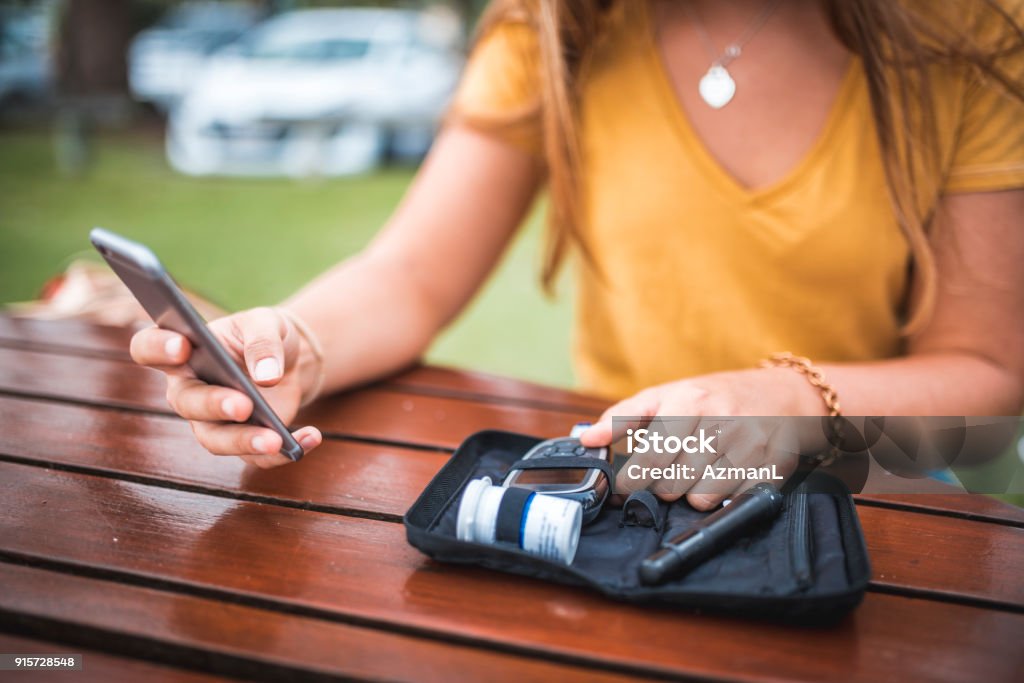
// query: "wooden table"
[[120, 538]]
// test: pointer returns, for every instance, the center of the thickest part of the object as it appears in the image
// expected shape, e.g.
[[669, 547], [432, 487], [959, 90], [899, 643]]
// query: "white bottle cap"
[[464, 525]]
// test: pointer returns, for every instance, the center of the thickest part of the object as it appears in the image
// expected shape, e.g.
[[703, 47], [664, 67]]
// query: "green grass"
[[245, 243]]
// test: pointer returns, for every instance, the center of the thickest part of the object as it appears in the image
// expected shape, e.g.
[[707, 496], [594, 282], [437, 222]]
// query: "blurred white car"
[[24, 72], [164, 61], [318, 92]]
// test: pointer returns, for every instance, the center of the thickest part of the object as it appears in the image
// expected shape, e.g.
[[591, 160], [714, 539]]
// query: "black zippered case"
[[809, 565]]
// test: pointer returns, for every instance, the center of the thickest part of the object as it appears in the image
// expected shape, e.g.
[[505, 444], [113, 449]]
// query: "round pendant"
[[717, 87]]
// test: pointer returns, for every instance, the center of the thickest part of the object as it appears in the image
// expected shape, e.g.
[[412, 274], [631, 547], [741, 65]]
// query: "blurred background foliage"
[[238, 241]]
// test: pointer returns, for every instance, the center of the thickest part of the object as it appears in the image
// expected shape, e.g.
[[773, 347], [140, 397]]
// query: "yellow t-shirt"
[[697, 274]]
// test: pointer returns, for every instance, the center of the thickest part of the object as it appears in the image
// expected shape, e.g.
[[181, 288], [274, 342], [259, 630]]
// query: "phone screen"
[[563, 477]]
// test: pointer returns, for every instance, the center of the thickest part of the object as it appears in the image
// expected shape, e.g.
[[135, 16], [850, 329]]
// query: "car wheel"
[[336, 150], [410, 144]]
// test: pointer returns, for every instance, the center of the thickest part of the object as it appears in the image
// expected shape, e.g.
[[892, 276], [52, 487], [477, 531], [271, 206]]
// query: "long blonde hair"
[[896, 42]]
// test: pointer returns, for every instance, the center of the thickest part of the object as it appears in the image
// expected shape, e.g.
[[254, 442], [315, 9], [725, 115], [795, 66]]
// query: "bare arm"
[[970, 358], [378, 311], [375, 313]]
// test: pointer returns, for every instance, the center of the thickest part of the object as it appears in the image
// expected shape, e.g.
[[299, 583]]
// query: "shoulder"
[[504, 18], [507, 32], [967, 43], [523, 22]]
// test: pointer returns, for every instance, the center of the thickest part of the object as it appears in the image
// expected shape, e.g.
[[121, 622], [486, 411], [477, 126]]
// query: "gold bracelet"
[[817, 380], [314, 346]]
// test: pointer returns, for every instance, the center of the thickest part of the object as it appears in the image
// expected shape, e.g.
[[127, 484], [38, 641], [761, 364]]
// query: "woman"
[[836, 179]]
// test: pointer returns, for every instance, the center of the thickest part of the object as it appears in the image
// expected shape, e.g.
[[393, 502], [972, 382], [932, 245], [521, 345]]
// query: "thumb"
[[637, 412], [262, 332]]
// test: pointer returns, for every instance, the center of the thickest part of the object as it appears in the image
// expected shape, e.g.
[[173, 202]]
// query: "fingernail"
[[230, 407], [579, 429], [267, 368], [307, 441], [259, 444], [172, 347]]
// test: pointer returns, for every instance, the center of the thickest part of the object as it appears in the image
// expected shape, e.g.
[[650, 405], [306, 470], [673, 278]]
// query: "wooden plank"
[[245, 641], [96, 666], [362, 570], [106, 381], [74, 337], [378, 480], [70, 336], [374, 412], [909, 551], [493, 388], [44, 415], [965, 505], [427, 380], [379, 413], [957, 557]]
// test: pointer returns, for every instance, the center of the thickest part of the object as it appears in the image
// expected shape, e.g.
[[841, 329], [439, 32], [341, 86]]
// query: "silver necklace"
[[717, 87]]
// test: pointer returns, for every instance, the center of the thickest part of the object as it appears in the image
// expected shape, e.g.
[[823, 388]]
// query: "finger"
[[661, 474], [758, 449], [194, 399], [263, 331], [722, 480], [157, 347], [234, 439], [638, 410], [677, 463], [705, 502], [653, 464], [309, 438], [266, 462], [708, 493], [630, 477], [709, 501], [713, 494]]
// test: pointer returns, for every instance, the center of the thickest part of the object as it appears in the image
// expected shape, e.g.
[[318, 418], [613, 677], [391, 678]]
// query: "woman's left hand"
[[748, 443]]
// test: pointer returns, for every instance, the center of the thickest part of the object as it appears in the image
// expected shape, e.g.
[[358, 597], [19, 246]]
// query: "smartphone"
[[141, 271]]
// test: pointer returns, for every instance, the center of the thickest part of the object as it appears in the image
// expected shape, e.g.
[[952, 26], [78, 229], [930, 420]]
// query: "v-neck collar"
[[714, 169]]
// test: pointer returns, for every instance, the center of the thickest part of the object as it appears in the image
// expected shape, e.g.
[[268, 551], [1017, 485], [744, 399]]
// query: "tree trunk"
[[92, 48]]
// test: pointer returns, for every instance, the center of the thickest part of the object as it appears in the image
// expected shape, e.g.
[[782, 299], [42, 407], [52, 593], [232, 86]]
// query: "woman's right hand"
[[278, 360]]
